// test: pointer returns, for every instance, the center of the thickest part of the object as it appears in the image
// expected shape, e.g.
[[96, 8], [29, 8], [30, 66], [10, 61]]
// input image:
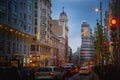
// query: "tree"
[[99, 43]]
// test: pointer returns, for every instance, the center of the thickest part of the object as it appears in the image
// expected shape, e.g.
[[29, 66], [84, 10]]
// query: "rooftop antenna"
[[63, 8]]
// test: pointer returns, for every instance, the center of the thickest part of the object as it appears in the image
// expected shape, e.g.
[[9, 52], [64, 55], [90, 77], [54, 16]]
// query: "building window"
[[37, 47], [8, 46], [20, 15], [24, 27], [3, 2], [35, 5], [35, 30], [8, 35], [14, 8], [3, 46], [14, 21], [17, 47], [17, 38], [29, 7], [20, 25], [21, 47], [0, 34], [2, 16], [35, 13], [35, 21], [9, 19], [14, 48], [25, 6], [32, 47], [20, 38], [29, 17], [24, 16], [24, 49], [29, 29]]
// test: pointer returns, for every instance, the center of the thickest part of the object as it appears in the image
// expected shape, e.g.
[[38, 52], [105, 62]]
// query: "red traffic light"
[[113, 21], [106, 43]]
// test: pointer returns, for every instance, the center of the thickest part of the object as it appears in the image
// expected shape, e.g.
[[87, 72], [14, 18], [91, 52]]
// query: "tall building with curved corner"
[[87, 47]]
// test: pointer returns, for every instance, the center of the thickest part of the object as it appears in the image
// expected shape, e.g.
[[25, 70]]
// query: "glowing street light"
[[100, 9], [96, 9]]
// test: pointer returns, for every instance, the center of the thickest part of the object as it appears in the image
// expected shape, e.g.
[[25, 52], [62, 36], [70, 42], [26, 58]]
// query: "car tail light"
[[36, 73], [88, 68], [69, 71], [74, 68], [51, 73], [79, 69]]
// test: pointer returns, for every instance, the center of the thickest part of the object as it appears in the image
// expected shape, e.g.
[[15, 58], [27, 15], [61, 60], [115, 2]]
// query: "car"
[[70, 68], [84, 70], [9, 73], [51, 73]]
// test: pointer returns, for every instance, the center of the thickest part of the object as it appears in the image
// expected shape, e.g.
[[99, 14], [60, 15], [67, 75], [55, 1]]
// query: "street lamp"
[[100, 9], [99, 30]]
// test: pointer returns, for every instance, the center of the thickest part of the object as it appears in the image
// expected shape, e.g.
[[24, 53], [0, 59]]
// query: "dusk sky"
[[78, 11]]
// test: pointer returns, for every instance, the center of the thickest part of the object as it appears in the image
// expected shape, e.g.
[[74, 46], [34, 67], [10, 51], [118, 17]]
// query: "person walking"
[[93, 75]]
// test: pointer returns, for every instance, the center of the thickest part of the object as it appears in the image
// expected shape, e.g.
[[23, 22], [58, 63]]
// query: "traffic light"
[[24, 60], [114, 21], [109, 55], [113, 27], [106, 43]]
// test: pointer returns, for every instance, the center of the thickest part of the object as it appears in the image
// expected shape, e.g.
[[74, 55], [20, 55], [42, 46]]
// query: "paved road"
[[90, 76]]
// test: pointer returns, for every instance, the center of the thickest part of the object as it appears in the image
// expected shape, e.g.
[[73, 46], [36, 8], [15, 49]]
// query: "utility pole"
[[101, 13]]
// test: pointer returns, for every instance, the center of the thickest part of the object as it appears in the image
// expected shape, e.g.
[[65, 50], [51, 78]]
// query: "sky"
[[78, 11]]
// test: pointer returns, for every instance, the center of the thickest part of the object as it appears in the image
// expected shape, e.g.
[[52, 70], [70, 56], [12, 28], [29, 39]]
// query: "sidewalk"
[[93, 76], [110, 73]]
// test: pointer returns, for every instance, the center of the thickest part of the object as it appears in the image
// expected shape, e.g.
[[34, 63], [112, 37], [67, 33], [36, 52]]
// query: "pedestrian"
[[25, 73], [31, 74], [93, 75]]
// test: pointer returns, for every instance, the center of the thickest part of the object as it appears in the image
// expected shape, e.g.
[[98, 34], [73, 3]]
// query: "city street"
[[79, 77], [59, 39], [90, 76]]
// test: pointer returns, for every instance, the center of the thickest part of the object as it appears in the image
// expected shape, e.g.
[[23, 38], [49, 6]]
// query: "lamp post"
[[101, 13], [100, 27], [100, 9]]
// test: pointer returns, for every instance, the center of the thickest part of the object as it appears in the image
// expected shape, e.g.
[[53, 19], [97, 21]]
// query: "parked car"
[[9, 73], [51, 73]]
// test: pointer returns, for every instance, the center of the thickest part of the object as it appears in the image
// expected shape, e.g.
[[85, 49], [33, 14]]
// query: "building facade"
[[63, 22], [113, 11], [41, 43], [76, 56], [60, 28], [16, 31], [87, 48], [55, 57], [70, 54]]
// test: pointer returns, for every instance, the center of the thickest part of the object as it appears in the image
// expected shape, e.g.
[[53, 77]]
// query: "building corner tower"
[[63, 22], [87, 47]]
